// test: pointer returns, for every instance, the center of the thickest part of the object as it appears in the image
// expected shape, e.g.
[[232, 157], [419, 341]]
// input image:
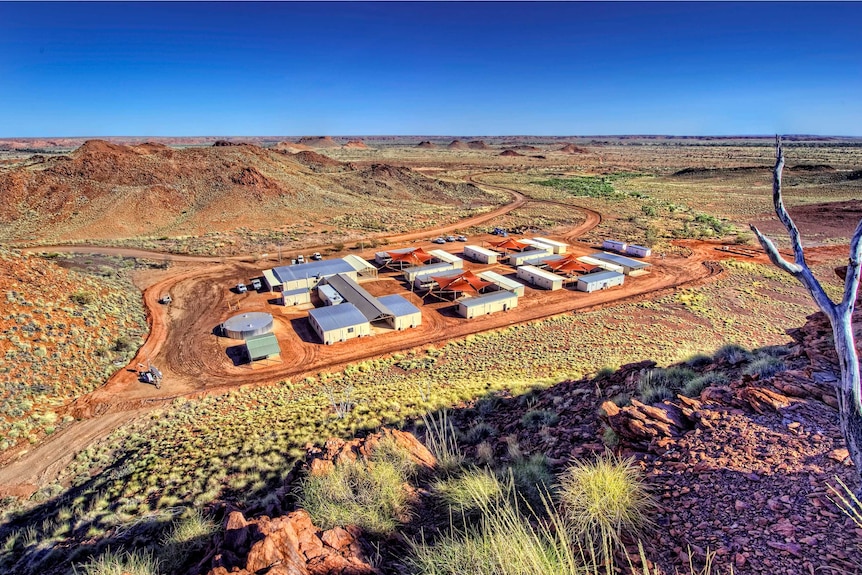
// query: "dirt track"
[[196, 362]]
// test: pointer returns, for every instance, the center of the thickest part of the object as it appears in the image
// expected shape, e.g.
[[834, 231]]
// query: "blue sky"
[[172, 69]]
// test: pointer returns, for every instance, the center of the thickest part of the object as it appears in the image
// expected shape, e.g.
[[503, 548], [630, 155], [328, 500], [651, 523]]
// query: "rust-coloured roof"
[[415, 256], [467, 281], [511, 244], [570, 264]]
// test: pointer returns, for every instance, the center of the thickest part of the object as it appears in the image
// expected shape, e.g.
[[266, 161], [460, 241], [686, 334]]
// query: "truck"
[[255, 283]]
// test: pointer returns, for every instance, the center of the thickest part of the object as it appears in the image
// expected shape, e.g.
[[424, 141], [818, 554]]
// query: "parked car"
[[316, 256], [461, 238], [240, 287], [255, 283], [439, 241], [450, 238], [300, 259]]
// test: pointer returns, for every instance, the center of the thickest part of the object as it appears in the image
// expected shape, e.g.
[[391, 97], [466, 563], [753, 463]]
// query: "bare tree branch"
[[851, 281]]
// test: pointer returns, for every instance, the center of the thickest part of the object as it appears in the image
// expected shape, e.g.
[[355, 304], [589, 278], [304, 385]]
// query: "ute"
[[300, 259], [316, 256], [439, 241], [255, 283], [240, 287]]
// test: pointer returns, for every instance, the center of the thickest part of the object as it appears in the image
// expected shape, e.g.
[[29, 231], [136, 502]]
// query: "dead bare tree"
[[840, 314]]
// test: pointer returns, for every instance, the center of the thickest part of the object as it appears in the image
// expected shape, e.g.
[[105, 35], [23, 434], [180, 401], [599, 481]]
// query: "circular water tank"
[[246, 325]]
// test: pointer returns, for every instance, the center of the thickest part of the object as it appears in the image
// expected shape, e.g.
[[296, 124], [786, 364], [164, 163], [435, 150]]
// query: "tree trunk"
[[848, 358]]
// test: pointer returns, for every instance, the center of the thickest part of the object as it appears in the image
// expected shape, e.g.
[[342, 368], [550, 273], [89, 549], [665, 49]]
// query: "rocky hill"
[[104, 190], [62, 330], [740, 469]]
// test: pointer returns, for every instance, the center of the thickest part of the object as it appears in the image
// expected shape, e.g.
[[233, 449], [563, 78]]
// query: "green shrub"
[[506, 542], [698, 360], [480, 432], [536, 418], [472, 490], [389, 452], [189, 533], [764, 366], [698, 384], [368, 494], [532, 477], [441, 440], [115, 563], [650, 393], [602, 500], [82, 297], [733, 353]]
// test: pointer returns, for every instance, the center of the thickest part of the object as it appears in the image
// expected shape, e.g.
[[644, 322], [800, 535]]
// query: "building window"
[[349, 330]]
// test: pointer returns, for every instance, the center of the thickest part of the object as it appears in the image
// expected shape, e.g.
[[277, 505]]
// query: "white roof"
[[488, 297], [551, 242], [337, 316], [357, 263], [500, 280], [398, 305], [481, 250], [599, 276], [445, 256], [541, 273]]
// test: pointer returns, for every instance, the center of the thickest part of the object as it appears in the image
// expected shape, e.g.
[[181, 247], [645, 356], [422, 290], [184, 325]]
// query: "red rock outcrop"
[[289, 545], [336, 450]]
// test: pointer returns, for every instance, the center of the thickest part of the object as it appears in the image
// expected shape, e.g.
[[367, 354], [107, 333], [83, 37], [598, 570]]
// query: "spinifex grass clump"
[[441, 440], [115, 563], [369, 494], [602, 501], [508, 540], [470, 491]]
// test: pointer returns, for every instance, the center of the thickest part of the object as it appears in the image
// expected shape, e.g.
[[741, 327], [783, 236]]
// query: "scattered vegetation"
[[603, 500], [368, 494]]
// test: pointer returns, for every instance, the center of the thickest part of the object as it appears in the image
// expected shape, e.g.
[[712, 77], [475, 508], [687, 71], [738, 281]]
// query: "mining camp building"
[[501, 282], [518, 258], [600, 280], [481, 255], [487, 303], [338, 323], [308, 275], [556, 247], [630, 267], [541, 278], [404, 314]]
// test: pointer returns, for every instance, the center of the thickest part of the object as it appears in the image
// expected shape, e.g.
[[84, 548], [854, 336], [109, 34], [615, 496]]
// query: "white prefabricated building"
[[638, 251], [338, 323], [308, 275], [600, 280], [517, 258], [605, 265], [480, 254], [404, 314], [448, 258], [328, 295], [556, 247], [296, 297], [487, 303], [614, 245], [630, 266], [541, 278], [501, 282]]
